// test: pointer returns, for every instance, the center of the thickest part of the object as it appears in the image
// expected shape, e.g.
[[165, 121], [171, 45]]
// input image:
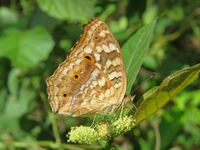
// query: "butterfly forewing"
[[92, 79]]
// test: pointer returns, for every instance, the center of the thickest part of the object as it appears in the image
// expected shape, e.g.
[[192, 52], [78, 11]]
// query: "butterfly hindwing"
[[92, 79]]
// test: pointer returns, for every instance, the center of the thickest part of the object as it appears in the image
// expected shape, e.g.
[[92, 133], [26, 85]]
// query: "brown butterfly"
[[92, 79]]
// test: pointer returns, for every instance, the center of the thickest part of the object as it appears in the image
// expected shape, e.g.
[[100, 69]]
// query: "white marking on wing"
[[99, 49], [87, 50], [108, 64], [106, 48], [116, 61], [114, 74], [98, 65], [112, 47], [101, 82], [107, 93], [102, 33], [117, 85], [97, 56]]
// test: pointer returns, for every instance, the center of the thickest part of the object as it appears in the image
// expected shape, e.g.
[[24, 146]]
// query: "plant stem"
[[46, 144]]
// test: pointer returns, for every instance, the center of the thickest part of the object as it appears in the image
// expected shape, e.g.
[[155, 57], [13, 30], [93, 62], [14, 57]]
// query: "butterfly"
[[92, 79]]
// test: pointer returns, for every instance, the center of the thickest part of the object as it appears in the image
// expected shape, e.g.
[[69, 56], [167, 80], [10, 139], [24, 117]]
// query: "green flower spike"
[[122, 125], [83, 134], [102, 130]]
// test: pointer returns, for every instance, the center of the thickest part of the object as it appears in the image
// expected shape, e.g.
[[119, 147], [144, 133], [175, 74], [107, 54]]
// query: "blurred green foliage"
[[34, 39]]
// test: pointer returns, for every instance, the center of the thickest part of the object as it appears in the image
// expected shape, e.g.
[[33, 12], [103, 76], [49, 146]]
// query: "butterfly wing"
[[92, 79]]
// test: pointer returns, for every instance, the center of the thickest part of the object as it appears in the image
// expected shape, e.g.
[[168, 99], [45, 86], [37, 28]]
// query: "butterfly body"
[[92, 79]]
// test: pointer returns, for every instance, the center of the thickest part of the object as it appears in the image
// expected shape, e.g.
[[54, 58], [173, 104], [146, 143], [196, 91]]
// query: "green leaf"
[[13, 81], [134, 51], [169, 134], [17, 106], [76, 10], [3, 98], [7, 16], [150, 14], [26, 48], [157, 97]]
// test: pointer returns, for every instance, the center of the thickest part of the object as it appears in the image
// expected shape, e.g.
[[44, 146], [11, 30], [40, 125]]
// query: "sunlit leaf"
[[157, 97], [134, 51], [26, 48], [75, 10], [7, 16]]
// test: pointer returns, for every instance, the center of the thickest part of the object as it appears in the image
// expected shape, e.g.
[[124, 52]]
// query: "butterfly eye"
[[76, 76]]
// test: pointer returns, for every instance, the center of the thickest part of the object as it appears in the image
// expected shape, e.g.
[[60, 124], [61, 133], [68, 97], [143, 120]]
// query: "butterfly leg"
[[126, 100], [93, 120]]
